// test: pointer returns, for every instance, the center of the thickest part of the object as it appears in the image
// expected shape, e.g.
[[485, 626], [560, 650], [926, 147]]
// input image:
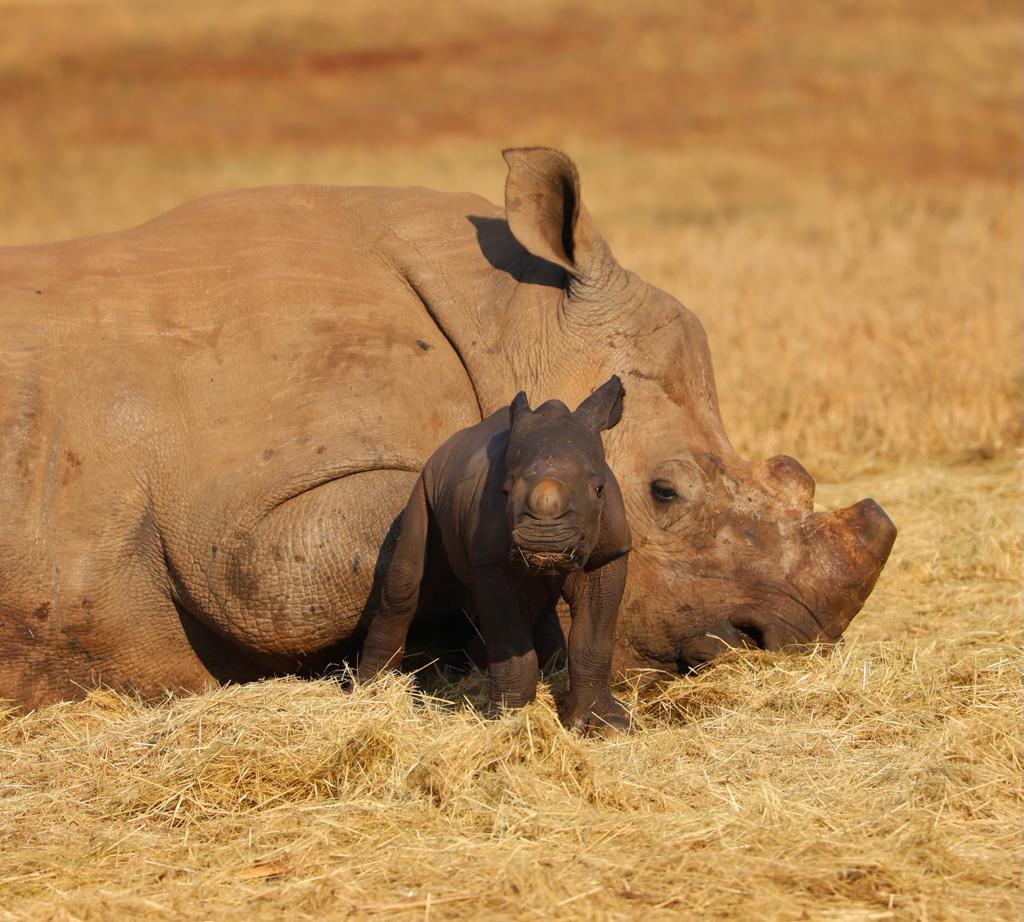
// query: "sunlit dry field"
[[835, 190]]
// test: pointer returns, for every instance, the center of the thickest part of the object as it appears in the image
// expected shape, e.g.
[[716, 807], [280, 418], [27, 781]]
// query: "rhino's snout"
[[549, 526], [549, 545], [724, 601], [549, 537]]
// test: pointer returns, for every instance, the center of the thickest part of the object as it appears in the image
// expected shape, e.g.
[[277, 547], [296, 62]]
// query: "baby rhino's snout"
[[547, 537], [549, 498]]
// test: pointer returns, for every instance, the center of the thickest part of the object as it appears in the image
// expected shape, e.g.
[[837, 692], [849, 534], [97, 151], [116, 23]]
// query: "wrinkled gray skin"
[[210, 423], [520, 510]]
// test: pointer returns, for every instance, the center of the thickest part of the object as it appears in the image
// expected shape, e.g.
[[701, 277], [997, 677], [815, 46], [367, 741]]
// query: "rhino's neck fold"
[[603, 289], [452, 340]]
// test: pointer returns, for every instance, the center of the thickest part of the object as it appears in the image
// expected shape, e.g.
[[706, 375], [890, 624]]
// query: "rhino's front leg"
[[512, 671], [594, 599]]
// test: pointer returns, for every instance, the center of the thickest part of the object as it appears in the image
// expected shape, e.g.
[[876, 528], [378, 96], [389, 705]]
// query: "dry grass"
[[835, 189], [881, 782]]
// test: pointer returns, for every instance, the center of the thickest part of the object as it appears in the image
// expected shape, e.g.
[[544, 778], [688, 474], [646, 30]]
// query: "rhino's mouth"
[[770, 619], [546, 562]]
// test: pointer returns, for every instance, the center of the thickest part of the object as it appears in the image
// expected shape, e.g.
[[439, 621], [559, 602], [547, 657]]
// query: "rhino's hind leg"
[[400, 592], [307, 577]]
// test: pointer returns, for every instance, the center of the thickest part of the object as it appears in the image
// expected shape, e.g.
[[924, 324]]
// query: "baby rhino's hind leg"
[[400, 591]]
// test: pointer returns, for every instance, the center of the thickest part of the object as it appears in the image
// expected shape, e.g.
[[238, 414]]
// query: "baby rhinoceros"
[[521, 508]]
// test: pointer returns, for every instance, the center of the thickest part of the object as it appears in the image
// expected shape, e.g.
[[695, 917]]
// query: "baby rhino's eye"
[[599, 489]]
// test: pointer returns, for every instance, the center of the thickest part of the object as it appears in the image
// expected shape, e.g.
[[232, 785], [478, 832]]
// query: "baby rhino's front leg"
[[506, 607], [594, 599]]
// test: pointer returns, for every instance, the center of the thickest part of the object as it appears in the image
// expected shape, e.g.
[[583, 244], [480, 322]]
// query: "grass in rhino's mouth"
[[563, 561]]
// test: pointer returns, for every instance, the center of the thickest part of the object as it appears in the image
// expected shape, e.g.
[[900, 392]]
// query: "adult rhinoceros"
[[209, 423]]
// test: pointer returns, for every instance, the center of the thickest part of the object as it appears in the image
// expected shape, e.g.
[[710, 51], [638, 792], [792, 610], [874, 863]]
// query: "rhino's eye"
[[663, 491], [599, 489]]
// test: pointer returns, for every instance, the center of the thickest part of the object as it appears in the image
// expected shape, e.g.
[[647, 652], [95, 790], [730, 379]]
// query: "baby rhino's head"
[[555, 478]]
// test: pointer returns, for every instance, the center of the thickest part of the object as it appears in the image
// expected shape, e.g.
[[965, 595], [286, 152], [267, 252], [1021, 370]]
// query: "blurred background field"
[[835, 189]]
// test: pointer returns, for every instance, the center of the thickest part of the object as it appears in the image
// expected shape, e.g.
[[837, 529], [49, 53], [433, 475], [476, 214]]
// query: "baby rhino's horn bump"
[[548, 498]]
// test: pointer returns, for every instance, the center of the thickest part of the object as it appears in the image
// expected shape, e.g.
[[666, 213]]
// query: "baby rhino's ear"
[[520, 405], [603, 408]]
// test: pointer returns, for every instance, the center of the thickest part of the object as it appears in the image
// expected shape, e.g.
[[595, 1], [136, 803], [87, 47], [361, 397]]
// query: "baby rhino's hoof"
[[605, 716]]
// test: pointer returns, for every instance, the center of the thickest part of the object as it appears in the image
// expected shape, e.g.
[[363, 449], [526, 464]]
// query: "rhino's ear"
[[544, 210], [520, 405], [603, 408]]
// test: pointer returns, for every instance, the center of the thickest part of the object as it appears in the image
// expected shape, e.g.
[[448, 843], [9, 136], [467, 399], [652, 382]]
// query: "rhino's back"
[[232, 330]]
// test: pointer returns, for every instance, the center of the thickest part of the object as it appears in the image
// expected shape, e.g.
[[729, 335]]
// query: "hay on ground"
[[880, 782]]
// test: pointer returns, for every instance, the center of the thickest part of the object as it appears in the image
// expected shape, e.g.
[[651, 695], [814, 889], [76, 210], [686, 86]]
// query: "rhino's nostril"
[[751, 635], [688, 666]]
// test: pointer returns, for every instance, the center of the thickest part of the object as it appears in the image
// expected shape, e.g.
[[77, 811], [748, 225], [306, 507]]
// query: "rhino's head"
[[555, 476], [726, 552]]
